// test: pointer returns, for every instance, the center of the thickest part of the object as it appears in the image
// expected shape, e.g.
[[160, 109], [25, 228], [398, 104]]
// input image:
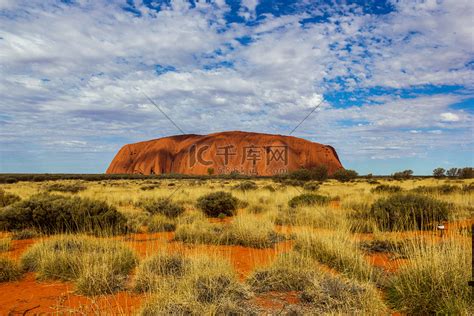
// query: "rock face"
[[223, 153]]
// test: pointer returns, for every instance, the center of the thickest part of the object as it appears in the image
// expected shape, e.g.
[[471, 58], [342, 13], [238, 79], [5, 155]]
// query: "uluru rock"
[[223, 153]]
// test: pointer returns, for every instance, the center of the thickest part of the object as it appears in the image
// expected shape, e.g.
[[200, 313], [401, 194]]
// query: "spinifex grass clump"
[[7, 198], [161, 223], [336, 295], [434, 281], [9, 270], [5, 244], [97, 266], [214, 204], [408, 212], [152, 271], [308, 199], [321, 292], [56, 213], [162, 206], [191, 286], [385, 188], [289, 272], [314, 216], [244, 231], [66, 187], [338, 251]]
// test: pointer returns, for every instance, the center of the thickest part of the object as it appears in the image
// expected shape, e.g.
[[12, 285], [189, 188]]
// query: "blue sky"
[[396, 79]]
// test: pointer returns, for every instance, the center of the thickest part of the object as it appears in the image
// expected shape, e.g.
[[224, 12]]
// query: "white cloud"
[[69, 71], [449, 117]]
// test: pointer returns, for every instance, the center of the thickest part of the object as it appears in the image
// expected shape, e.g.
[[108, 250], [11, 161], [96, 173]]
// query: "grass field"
[[355, 250]]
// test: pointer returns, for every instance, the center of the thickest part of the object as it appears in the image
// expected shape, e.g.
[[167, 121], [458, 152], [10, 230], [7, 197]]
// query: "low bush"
[[161, 223], [216, 203], [246, 186], [385, 188], [345, 175], [97, 266], [66, 187], [9, 270], [55, 213], [162, 206], [308, 199], [311, 186], [7, 198], [408, 212]]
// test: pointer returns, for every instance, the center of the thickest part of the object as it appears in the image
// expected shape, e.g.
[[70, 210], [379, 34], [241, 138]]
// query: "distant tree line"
[[461, 173]]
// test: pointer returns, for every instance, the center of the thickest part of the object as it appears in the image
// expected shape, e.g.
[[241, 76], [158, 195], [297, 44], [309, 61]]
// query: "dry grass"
[[328, 266]]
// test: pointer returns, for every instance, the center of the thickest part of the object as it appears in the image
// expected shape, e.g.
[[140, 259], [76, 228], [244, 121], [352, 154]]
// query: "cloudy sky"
[[396, 79]]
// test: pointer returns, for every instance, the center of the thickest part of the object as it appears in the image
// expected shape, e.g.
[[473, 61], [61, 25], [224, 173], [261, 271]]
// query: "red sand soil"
[[384, 261], [43, 297], [31, 297], [276, 301], [243, 259]]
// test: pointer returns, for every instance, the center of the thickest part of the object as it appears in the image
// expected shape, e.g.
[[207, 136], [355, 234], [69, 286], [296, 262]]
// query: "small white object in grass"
[[441, 227]]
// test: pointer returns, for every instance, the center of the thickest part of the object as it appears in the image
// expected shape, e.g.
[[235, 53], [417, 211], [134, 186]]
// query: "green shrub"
[[97, 266], [345, 175], [9, 270], [408, 211], [213, 204], [386, 188], [308, 199], [66, 187], [56, 213], [161, 223], [7, 198], [300, 174], [163, 206], [311, 186], [246, 186]]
